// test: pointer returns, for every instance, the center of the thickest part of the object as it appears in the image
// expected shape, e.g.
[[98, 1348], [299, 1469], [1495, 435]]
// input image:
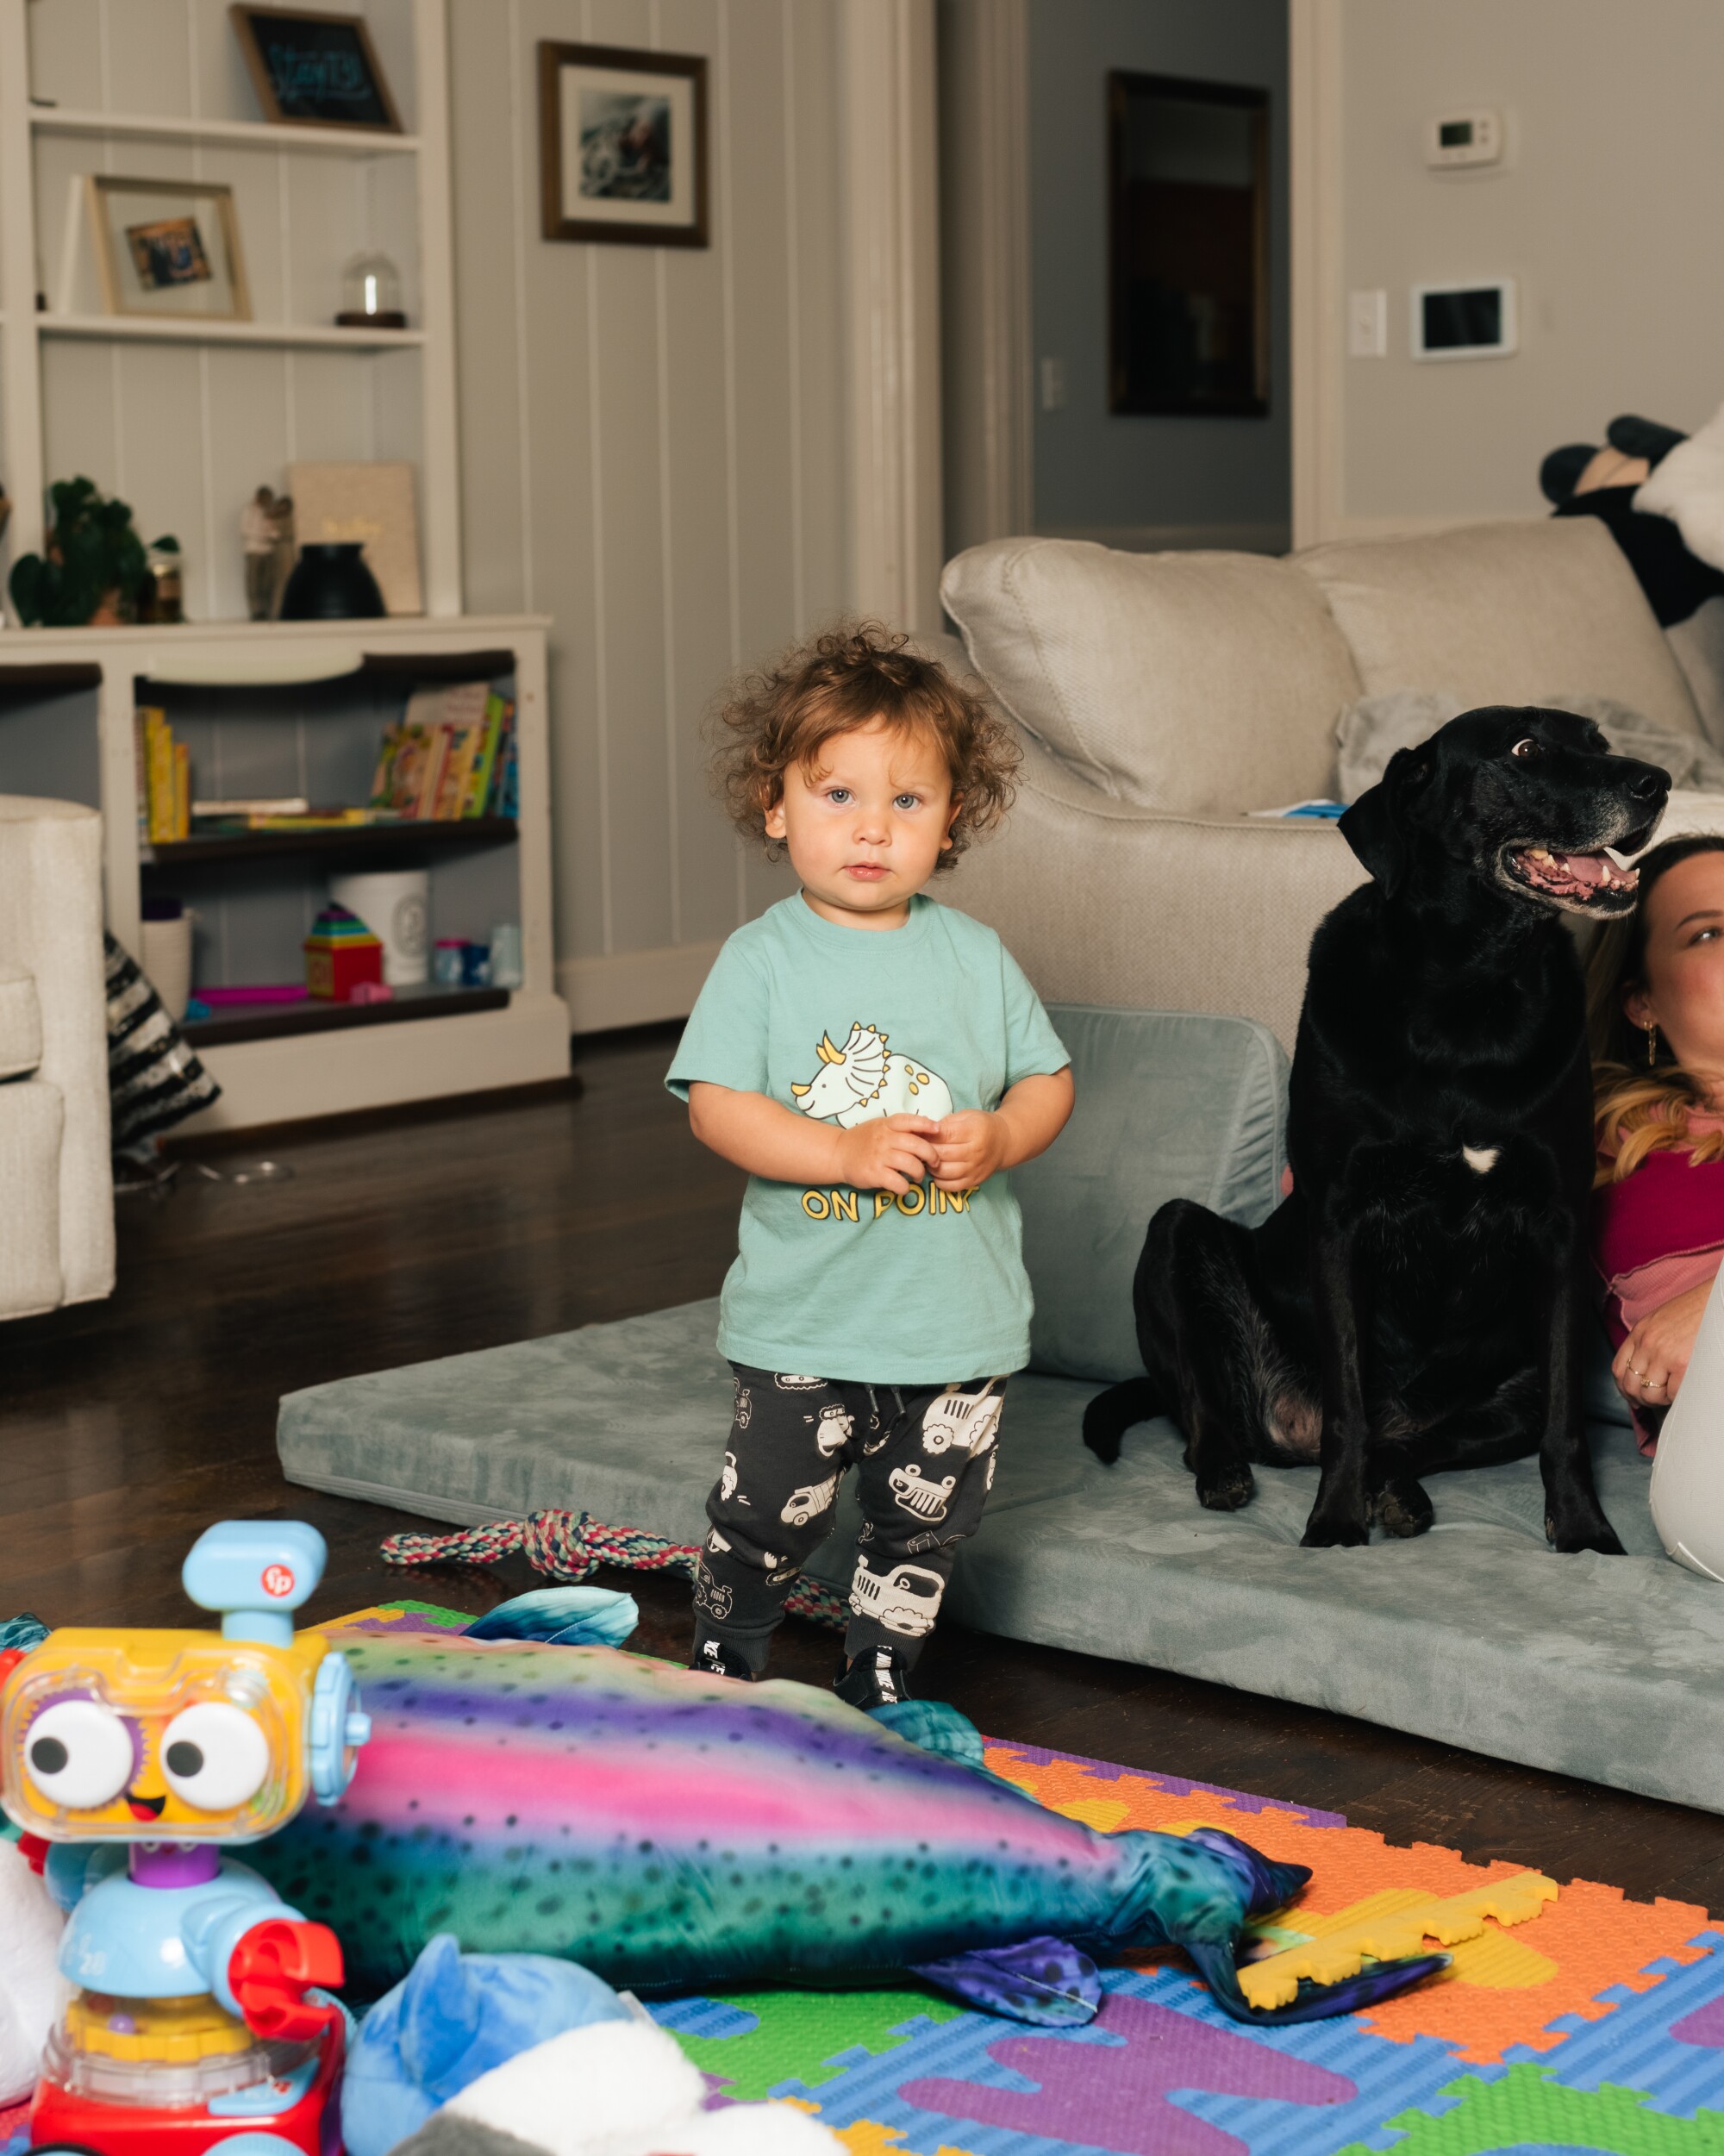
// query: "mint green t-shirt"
[[848, 1024]]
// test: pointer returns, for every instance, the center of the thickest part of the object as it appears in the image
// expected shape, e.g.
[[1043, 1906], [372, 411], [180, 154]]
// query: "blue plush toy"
[[453, 2017]]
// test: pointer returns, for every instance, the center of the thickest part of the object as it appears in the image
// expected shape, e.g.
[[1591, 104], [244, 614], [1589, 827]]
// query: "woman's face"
[[1683, 995]]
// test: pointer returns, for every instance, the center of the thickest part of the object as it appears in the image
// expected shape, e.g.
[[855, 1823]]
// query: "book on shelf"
[[448, 757], [251, 805], [163, 780]]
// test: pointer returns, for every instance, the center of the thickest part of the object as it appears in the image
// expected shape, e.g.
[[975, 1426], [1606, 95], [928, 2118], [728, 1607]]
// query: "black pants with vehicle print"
[[924, 1460]]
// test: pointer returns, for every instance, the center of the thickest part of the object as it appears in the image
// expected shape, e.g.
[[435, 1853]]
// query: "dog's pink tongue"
[[1585, 868]]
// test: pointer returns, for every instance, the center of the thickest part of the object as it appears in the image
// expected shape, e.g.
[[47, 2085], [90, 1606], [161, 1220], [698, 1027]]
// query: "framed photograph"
[[1187, 242], [167, 247], [315, 70], [622, 145]]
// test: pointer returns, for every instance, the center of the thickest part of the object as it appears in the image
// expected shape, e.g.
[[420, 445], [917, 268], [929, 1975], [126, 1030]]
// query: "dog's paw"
[[1228, 1490], [1595, 1533], [1334, 1531], [1402, 1508]]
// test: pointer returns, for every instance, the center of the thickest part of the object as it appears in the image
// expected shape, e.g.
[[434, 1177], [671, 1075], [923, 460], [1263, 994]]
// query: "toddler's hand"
[[971, 1147], [889, 1153]]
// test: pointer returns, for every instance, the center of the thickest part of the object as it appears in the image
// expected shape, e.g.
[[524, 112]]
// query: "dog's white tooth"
[[1622, 860], [1539, 852]]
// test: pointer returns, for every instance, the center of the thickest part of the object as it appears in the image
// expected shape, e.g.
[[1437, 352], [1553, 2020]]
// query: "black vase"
[[331, 582]]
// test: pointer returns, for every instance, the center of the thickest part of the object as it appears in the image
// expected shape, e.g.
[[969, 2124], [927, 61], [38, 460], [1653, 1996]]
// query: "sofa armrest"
[[51, 928], [1104, 904]]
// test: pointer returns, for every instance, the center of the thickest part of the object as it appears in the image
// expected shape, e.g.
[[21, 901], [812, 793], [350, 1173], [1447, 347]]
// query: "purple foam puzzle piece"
[[1705, 2026], [1115, 2095]]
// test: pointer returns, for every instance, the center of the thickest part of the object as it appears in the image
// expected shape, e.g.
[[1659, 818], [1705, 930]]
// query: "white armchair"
[[56, 1177]]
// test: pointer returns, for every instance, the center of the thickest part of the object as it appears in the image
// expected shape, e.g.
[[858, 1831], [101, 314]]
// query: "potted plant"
[[92, 567]]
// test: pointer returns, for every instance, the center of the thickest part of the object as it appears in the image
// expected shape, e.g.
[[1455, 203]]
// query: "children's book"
[[485, 762]]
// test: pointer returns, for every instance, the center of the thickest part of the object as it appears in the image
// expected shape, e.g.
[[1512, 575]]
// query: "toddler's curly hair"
[[839, 681]]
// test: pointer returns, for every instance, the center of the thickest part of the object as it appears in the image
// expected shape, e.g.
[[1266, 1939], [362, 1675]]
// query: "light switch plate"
[[1368, 325]]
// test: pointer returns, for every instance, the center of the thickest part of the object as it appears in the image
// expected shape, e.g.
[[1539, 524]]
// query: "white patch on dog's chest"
[[1481, 1159]]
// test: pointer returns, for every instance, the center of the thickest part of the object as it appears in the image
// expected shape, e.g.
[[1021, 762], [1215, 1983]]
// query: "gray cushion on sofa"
[[1475, 1635], [1190, 1106]]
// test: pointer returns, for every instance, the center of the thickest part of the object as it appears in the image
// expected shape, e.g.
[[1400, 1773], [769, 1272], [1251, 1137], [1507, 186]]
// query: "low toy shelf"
[[298, 709]]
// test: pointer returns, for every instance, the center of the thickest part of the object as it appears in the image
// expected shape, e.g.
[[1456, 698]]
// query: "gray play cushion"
[[1476, 1633]]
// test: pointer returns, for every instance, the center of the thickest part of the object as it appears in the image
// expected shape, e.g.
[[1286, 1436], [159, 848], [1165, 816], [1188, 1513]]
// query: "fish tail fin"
[[561, 1616], [1200, 1893], [932, 1726], [1045, 1982], [1315, 2001], [1268, 1885]]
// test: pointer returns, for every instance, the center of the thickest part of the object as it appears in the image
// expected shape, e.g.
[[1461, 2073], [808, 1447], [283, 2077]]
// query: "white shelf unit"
[[185, 418], [263, 707]]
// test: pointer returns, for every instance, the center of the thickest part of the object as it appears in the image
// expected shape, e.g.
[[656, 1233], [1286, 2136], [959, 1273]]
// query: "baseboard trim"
[[634, 988]]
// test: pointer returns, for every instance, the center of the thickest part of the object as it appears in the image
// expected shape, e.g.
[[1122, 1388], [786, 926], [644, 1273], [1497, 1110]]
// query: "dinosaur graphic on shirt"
[[865, 1080]]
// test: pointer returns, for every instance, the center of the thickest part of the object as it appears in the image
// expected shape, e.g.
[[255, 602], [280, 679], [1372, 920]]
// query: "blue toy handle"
[[256, 1573]]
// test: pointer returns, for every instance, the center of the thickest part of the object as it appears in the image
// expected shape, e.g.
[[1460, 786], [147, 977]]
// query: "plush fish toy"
[[677, 1833]]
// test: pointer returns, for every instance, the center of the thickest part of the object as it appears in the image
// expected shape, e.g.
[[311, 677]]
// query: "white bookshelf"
[[185, 419], [269, 710]]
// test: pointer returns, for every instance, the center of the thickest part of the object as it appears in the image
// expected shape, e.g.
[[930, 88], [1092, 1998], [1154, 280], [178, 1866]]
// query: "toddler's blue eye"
[[838, 796], [908, 801]]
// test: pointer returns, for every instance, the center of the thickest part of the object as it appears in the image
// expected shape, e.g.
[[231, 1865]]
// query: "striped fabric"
[[155, 1078]]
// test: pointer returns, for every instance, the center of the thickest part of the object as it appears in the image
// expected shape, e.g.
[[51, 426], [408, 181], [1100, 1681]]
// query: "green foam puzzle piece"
[[798, 2033], [1527, 2106]]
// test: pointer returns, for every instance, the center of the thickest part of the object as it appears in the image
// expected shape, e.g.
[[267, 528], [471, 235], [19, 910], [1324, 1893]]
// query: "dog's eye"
[[1528, 748]]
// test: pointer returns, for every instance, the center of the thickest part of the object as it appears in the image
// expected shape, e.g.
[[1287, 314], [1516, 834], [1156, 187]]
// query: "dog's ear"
[[1375, 826]]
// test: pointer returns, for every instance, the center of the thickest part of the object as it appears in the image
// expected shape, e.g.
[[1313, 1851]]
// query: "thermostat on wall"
[[1464, 321], [1464, 138]]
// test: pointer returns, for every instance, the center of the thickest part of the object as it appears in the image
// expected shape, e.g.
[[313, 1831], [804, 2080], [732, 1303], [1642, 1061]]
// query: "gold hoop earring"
[[1651, 1045]]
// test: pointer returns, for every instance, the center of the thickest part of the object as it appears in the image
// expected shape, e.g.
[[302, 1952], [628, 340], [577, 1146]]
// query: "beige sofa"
[[56, 1182], [1160, 698]]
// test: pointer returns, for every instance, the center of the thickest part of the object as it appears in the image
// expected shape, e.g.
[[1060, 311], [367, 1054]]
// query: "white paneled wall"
[[652, 454], [186, 434]]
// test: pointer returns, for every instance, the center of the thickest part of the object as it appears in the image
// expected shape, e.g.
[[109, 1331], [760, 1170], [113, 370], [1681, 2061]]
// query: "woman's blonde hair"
[[1639, 1108]]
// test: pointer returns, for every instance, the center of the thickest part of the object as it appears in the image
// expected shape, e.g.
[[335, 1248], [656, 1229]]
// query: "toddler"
[[876, 1062]]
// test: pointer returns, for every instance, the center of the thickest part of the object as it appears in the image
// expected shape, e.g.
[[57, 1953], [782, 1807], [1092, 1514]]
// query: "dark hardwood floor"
[[126, 1427]]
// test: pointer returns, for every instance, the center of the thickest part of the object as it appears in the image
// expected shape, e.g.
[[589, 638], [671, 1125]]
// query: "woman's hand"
[[1651, 1362]]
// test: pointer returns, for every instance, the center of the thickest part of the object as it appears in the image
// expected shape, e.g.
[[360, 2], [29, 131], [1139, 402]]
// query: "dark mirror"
[[1188, 169]]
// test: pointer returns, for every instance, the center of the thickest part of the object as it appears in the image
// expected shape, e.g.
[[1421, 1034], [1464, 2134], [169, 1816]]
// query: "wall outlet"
[[1368, 325], [1054, 385]]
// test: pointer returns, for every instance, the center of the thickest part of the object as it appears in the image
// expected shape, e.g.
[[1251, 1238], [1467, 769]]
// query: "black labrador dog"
[[1416, 1303]]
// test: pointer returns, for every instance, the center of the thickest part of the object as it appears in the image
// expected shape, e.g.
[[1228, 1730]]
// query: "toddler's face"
[[865, 828]]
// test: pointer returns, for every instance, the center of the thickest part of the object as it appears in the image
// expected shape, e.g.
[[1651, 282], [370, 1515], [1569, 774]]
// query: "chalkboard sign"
[[314, 69]]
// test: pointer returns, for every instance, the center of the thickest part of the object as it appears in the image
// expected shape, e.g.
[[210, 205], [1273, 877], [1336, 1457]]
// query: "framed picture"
[[315, 70], [167, 247], [1187, 215], [622, 145]]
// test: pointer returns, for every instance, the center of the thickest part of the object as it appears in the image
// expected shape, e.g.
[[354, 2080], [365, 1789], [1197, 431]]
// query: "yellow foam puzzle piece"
[[1396, 1926]]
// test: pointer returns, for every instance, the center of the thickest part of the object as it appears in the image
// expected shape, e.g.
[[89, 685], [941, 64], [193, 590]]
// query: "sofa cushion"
[[1509, 613], [1170, 1104], [1182, 682], [21, 1022]]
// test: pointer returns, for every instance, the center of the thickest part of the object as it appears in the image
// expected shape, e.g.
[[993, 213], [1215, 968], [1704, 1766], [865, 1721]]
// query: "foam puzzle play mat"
[[1578, 2021], [1571, 2019]]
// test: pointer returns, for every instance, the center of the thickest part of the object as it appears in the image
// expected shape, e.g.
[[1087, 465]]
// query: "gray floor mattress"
[[1608, 1668]]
